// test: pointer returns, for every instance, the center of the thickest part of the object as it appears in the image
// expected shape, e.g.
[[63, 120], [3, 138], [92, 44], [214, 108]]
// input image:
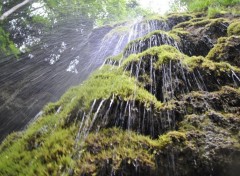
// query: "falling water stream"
[[61, 61], [170, 84]]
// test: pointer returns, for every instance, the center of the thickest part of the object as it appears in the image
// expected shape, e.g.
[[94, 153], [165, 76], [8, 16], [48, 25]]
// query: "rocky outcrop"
[[169, 104]]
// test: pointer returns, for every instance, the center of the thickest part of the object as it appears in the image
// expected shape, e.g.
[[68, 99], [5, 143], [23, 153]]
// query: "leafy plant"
[[6, 45]]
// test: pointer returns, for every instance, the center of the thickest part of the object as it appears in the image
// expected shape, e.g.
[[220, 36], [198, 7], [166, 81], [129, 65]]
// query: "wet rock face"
[[203, 35], [175, 19], [168, 105], [154, 39]]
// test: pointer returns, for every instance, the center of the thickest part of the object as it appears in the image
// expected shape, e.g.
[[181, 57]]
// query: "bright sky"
[[160, 6]]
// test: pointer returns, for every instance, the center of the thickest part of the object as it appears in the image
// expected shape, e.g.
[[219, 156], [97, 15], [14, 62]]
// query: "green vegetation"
[[6, 45], [207, 123], [115, 59], [147, 38], [200, 22], [103, 12], [165, 53], [234, 28], [40, 20], [52, 152], [226, 49], [103, 84], [124, 142], [212, 7], [118, 146], [92, 12]]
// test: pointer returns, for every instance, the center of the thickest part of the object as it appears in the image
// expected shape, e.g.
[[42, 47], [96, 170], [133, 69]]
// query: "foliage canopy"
[[45, 14]]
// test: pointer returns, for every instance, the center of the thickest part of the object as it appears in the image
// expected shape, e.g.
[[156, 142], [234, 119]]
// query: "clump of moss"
[[113, 147], [201, 62], [109, 148], [176, 18], [179, 32], [227, 49], [51, 156], [164, 54], [234, 28], [201, 22]]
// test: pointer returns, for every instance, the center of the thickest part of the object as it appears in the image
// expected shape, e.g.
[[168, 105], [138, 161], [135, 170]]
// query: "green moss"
[[196, 23], [48, 146], [10, 139], [183, 15], [49, 157], [48, 140], [200, 22], [179, 32], [53, 155], [225, 50], [164, 54], [120, 146], [171, 138], [102, 85], [201, 62], [234, 28]]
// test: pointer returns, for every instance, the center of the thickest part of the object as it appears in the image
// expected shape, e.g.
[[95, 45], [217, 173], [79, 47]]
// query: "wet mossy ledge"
[[160, 107]]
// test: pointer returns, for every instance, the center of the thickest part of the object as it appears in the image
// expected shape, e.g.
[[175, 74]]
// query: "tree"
[[22, 20], [13, 9], [199, 5]]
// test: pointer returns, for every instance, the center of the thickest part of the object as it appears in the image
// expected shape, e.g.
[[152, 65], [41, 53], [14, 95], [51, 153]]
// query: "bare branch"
[[12, 10]]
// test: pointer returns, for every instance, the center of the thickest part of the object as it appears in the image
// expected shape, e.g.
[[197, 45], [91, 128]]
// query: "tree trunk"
[[12, 10]]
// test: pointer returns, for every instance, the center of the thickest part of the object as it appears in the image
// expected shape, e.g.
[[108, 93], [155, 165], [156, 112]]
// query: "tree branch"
[[13, 9]]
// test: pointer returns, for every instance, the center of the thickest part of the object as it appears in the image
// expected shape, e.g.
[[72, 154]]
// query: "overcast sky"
[[160, 6]]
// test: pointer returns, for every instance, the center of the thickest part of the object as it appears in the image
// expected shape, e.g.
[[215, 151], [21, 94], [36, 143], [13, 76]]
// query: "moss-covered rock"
[[155, 38], [227, 49], [158, 108], [200, 34], [170, 73]]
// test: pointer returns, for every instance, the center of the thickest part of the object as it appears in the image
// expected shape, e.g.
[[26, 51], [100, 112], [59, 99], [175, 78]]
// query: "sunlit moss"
[[179, 32], [226, 50], [234, 28], [164, 53], [51, 156]]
